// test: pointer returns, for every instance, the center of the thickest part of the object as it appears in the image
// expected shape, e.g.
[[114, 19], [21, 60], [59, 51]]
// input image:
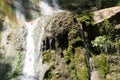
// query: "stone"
[[100, 15], [117, 26], [95, 75]]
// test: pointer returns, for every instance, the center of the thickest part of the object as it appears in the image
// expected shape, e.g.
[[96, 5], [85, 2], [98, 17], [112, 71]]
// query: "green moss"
[[74, 37], [102, 65], [83, 74], [87, 19], [80, 67], [15, 73], [107, 27], [47, 56], [74, 75], [6, 7], [66, 56]]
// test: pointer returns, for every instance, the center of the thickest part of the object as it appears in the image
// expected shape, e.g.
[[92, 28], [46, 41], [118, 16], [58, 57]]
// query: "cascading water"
[[46, 9], [28, 70], [32, 71]]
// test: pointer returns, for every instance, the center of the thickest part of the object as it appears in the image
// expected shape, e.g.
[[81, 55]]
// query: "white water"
[[46, 9], [30, 72]]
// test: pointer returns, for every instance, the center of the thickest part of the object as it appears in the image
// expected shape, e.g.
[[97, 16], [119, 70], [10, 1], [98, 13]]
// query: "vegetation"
[[101, 65], [66, 54], [6, 7], [85, 6], [106, 42], [13, 74]]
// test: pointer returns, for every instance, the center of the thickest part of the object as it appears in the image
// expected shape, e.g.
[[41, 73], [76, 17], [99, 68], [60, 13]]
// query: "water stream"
[[46, 9], [28, 70], [34, 45]]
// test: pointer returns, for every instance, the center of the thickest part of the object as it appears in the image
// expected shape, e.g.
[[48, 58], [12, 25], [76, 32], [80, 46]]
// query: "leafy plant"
[[99, 42]]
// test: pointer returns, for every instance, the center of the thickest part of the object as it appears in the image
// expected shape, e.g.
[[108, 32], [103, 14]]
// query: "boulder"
[[106, 13]]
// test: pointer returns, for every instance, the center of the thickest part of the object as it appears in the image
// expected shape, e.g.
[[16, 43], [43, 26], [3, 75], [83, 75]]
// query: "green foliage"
[[85, 6], [104, 44], [101, 65], [81, 70], [74, 37], [118, 4], [80, 74], [14, 74], [99, 42], [46, 56], [85, 19], [66, 56], [77, 6], [108, 39], [6, 7], [107, 27], [117, 43], [98, 4]]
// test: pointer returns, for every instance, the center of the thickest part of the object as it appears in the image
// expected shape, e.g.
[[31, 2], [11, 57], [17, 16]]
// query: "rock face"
[[63, 50], [114, 67], [106, 13]]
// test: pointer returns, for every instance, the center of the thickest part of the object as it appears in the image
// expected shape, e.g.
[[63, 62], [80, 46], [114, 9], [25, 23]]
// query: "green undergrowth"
[[15, 72], [6, 7], [101, 65], [86, 19]]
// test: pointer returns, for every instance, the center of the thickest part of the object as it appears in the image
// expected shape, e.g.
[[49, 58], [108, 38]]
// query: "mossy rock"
[[62, 23], [68, 59], [80, 64], [48, 56], [101, 64]]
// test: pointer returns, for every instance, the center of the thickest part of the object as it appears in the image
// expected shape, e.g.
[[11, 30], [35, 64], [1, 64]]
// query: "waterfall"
[[28, 70], [33, 68], [46, 9]]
